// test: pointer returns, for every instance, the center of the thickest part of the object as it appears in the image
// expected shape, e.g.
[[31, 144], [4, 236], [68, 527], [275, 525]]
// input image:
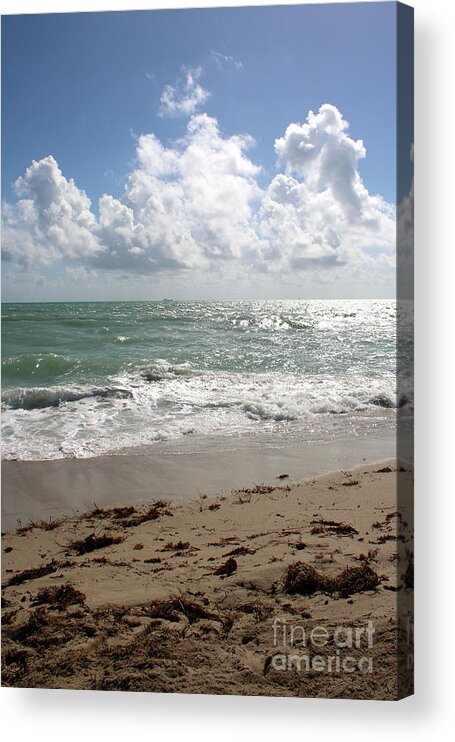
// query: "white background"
[[76, 715]]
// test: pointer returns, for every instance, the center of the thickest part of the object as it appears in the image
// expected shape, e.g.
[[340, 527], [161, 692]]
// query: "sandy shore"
[[218, 595], [36, 490]]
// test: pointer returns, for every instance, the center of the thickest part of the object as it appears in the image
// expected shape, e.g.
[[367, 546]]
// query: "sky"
[[212, 153]]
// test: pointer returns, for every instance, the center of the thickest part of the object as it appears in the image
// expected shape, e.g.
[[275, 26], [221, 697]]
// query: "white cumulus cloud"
[[183, 98], [197, 205]]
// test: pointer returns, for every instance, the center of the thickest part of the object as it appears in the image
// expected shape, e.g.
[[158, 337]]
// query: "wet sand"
[[36, 490]]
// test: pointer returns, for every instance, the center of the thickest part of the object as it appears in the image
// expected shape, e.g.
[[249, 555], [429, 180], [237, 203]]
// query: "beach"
[[220, 594], [38, 490], [207, 497]]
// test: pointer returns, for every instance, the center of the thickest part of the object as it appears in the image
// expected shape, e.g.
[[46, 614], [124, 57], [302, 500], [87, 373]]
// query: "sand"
[[197, 597], [35, 490]]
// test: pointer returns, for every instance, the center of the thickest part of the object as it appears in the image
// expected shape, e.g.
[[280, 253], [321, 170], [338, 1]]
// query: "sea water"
[[91, 378]]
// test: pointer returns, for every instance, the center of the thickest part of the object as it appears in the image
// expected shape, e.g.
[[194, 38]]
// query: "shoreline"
[[39, 490], [200, 596]]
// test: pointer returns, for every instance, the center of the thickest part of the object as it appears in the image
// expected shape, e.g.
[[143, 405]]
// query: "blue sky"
[[83, 87]]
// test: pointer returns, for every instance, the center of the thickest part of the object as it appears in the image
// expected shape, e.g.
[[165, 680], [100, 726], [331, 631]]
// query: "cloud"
[[321, 151], [55, 221], [183, 98], [327, 216], [197, 206], [223, 61]]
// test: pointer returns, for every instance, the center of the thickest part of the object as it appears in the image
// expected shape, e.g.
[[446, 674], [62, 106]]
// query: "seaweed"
[[59, 597], [123, 512], [92, 543], [240, 551], [390, 537], [256, 609], [263, 489], [44, 525], [179, 546], [37, 572], [354, 580], [152, 512], [171, 610], [226, 569], [129, 516], [305, 580], [332, 526]]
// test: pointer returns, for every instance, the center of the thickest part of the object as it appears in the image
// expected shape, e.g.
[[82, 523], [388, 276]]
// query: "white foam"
[[170, 402]]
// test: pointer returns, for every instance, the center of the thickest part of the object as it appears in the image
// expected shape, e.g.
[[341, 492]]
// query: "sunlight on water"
[[82, 379]]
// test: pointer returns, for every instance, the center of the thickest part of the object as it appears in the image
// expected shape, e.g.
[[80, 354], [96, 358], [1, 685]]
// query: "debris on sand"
[[152, 512], [44, 525], [37, 572], [305, 580], [354, 580], [172, 610], [258, 610], [59, 597], [240, 551], [129, 516], [92, 543], [331, 526], [264, 489], [226, 569], [179, 546]]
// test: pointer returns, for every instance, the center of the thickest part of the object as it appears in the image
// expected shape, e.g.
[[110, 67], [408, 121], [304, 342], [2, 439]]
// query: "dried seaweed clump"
[[152, 512], [44, 525], [305, 580], [227, 568], [178, 546], [129, 516], [332, 526], [354, 580], [92, 543], [37, 572], [59, 597], [172, 610]]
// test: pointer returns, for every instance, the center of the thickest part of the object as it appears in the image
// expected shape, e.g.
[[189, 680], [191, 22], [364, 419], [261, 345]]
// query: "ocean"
[[86, 379]]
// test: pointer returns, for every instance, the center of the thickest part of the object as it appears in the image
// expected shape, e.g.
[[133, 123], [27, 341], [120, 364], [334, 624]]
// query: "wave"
[[165, 401], [40, 398], [384, 400], [37, 365], [273, 323], [164, 371], [262, 412]]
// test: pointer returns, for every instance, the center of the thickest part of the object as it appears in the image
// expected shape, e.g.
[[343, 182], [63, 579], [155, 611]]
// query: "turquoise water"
[[83, 379]]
